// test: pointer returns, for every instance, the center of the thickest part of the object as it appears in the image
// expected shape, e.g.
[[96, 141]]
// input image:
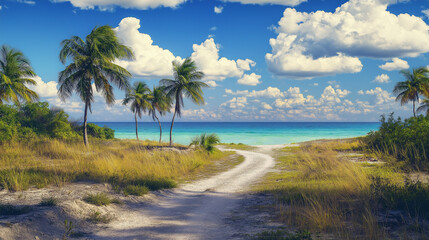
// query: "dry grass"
[[318, 191], [119, 162]]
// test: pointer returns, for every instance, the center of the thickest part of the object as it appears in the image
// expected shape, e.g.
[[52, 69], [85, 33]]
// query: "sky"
[[265, 60]]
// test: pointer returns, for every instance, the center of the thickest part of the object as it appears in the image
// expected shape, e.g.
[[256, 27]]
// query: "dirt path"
[[193, 211]]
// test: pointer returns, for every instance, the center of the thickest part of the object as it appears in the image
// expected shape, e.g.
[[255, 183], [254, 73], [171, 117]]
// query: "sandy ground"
[[214, 208]]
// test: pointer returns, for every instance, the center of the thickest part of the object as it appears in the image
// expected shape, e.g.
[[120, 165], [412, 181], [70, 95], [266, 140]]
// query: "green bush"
[[7, 132], [407, 141], [99, 199], [135, 190], [100, 132]]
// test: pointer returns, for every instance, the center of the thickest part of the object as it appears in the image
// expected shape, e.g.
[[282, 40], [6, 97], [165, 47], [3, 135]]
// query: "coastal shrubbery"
[[36, 120], [402, 142]]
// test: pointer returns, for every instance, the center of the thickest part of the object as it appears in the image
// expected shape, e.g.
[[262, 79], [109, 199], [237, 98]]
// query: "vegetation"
[[140, 97], [401, 143], [49, 201], [97, 217], [206, 141], [99, 199], [161, 103], [135, 190], [15, 76], [34, 121], [424, 106], [92, 67], [321, 190], [416, 83], [8, 209], [186, 83], [44, 161]]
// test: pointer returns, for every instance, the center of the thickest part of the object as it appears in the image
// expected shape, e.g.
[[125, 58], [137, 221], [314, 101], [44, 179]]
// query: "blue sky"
[[266, 60]]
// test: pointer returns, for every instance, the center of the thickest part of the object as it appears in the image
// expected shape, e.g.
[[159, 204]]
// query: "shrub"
[[206, 141], [6, 132], [99, 199], [49, 201], [97, 217], [100, 132], [135, 190]]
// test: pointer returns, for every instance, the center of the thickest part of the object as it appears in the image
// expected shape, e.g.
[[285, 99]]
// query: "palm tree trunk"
[[85, 133], [171, 128], [137, 127], [160, 128], [414, 108]]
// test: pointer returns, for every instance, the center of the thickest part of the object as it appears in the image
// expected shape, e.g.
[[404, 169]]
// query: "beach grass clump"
[[100, 199], [9, 209], [49, 201], [319, 191], [97, 217], [136, 190]]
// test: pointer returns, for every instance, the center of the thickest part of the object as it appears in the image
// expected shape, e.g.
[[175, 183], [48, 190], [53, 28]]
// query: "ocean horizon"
[[251, 133]]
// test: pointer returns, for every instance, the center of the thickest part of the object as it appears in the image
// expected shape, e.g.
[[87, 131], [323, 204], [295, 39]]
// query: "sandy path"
[[193, 211]]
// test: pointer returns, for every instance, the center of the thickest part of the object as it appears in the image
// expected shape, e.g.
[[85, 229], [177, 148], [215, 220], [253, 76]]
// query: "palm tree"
[[15, 75], [186, 83], [92, 63], [140, 97], [206, 141], [161, 103], [424, 106], [417, 82]]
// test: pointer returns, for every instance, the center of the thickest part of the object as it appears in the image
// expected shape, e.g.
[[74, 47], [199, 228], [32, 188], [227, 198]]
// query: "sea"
[[251, 133]]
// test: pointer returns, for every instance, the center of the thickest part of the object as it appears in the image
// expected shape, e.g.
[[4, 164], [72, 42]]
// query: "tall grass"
[[119, 162], [322, 192]]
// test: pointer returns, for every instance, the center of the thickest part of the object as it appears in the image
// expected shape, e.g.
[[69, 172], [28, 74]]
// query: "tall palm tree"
[[139, 96], [187, 84], [417, 82], [161, 103], [92, 62], [424, 107], [15, 76]]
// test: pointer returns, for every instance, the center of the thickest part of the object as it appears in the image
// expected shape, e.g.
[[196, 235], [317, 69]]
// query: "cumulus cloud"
[[380, 96], [250, 79], [151, 61], [426, 12], [383, 78], [218, 10], [294, 98], [211, 83], [206, 57], [44, 89], [276, 2], [323, 43], [266, 106], [396, 64], [331, 95], [270, 92], [110, 4], [236, 102]]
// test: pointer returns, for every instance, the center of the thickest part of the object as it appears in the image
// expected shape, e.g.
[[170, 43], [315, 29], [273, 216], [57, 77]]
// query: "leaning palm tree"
[[140, 97], [161, 103], [186, 83], [92, 62], [424, 107], [15, 76], [417, 82], [206, 141]]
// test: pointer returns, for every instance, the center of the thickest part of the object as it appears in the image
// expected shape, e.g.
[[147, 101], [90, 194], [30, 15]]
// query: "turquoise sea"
[[252, 133]]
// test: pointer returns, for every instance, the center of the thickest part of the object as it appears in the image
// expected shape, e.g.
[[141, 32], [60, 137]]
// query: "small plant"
[[281, 234], [8, 209], [100, 199], [206, 141], [49, 201], [136, 190], [97, 217], [68, 229]]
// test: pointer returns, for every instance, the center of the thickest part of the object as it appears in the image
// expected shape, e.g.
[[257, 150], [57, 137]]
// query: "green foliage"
[[100, 132], [49, 201], [99, 199], [97, 217], [406, 141], [6, 132], [135, 190], [411, 197], [281, 234], [206, 141], [68, 229]]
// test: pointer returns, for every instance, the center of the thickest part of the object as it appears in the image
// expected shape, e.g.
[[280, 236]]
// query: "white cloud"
[[214, 28], [44, 89], [294, 98], [323, 43], [251, 80], [331, 95], [151, 61], [426, 12], [211, 83], [360, 92], [218, 10], [1, 7], [270, 92], [27, 2], [266, 106], [396, 64], [276, 2], [206, 57], [380, 96], [383, 78], [110, 4], [236, 102]]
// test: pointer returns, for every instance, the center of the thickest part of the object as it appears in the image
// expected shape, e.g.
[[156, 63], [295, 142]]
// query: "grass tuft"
[[49, 201], [100, 199], [97, 217], [136, 190]]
